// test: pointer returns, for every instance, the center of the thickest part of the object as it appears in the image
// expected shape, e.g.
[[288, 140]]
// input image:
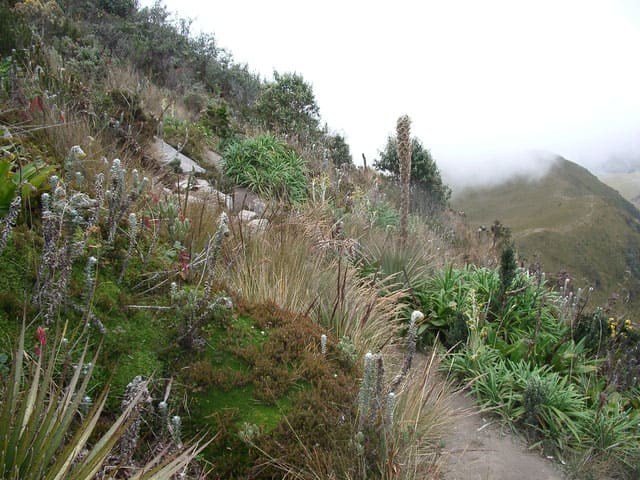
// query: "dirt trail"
[[477, 450]]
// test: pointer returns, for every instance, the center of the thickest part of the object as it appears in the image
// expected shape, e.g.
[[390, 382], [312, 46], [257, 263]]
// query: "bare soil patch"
[[478, 449]]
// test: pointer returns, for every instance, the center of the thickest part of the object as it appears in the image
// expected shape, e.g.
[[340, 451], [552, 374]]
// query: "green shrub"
[[424, 171], [217, 119], [287, 106], [450, 293], [268, 166]]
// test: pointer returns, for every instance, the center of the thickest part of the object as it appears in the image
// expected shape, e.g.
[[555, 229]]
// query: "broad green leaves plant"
[[28, 179], [444, 296]]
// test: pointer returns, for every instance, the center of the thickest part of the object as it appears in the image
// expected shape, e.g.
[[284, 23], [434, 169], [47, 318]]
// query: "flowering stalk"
[[118, 201], [136, 394], [115, 198], [132, 232], [75, 154], [213, 250], [366, 389], [390, 408], [89, 279], [404, 157], [377, 401], [95, 216], [412, 338], [9, 221]]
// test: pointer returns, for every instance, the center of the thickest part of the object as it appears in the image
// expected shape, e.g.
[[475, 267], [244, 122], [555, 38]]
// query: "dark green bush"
[[267, 166], [217, 119], [424, 171]]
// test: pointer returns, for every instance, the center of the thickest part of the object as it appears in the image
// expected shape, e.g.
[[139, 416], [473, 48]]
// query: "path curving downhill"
[[476, 449]]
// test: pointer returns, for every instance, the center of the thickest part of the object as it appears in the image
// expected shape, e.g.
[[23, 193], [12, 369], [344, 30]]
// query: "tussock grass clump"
[[296, 270]]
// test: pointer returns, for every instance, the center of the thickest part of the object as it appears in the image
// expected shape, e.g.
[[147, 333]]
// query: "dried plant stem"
[[404, 157]]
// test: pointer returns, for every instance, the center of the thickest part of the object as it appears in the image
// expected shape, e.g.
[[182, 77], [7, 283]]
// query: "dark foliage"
[[424, 172], [287, 106]]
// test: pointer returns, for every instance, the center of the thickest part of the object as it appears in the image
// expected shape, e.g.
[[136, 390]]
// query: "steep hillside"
[[628, 184], [568, 220]]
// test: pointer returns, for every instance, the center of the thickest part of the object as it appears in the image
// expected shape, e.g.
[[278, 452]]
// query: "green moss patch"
[[262, 374]]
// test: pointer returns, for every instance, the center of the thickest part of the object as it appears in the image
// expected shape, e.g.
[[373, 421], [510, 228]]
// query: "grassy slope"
[[570, 221], [628, 184]]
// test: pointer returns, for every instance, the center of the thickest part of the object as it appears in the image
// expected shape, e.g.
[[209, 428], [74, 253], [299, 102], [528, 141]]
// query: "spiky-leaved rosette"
[[403, 131]]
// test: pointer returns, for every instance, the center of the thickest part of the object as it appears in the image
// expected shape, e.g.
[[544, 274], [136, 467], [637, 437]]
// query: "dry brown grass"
[[155, 100], [287, 265], [422, 417]]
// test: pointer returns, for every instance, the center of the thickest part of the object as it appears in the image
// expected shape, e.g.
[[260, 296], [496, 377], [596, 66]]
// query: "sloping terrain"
[[568, 220], [628, 184], [477, 448]]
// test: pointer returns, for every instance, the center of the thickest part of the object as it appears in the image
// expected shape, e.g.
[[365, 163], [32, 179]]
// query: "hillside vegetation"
[[568, 221], [628, 184], [260, 316]]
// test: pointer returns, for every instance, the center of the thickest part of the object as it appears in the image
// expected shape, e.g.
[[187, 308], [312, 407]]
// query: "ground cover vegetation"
[[149, 332], [542, 361], [159, 347]]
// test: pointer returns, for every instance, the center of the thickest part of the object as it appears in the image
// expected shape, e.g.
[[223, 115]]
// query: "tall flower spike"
[[137, 391], [366, 389], [89, 278], [404, 156], [75, 154], [391, 406], [133, 231], [213, 250], [9, 221], [412, 338], [176, 426]]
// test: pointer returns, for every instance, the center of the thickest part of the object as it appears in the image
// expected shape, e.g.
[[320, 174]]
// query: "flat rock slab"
[[476, 449], [247, 215], [215, 159], [165, 154]]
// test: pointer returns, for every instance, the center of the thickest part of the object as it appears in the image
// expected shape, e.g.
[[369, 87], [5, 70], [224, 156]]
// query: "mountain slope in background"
[[628, 184], [568, 220]]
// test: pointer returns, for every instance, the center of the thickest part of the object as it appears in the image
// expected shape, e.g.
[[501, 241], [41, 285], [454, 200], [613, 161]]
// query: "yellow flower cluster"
[[613, 327]]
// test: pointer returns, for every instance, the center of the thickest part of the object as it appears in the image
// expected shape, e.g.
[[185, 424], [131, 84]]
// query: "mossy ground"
[[261, 374], [262, 369]]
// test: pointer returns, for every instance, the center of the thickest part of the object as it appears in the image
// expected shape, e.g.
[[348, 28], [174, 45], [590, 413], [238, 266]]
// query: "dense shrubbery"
[[268, 166], [539, 362], [257, 373]]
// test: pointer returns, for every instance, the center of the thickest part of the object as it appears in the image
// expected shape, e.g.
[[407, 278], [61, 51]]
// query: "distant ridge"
[[568, 220], [628, 184]]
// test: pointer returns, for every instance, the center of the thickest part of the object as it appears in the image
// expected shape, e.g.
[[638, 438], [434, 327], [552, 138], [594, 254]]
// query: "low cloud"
[[494, 169]]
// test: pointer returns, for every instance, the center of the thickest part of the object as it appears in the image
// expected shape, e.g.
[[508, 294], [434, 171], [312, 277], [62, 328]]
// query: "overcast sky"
[[484, 82]]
